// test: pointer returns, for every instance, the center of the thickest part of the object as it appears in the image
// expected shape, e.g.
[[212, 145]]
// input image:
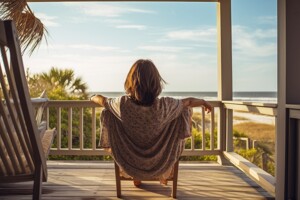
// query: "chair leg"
[[118, 180], [175, 178], [37, 183]]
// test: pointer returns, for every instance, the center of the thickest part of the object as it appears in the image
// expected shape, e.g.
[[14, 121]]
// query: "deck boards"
[[88, 180]]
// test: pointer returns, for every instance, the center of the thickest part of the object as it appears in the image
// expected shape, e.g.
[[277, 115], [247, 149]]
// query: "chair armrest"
[[39, 105], [47, 141]]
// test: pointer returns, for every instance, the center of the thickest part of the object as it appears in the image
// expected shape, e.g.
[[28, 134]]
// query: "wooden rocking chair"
[[23, 146], [174, 179]]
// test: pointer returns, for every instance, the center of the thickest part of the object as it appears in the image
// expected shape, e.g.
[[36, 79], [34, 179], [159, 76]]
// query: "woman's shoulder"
[[166, 98], [169, 100]]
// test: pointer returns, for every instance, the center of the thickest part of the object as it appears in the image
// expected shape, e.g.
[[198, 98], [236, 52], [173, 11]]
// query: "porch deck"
[[96, 180]]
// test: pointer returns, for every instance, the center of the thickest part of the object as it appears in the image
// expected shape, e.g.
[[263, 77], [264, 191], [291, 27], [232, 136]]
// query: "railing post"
[[81, 141], [224, 67], [212, 129], [70, 127], [229, 131], [94, 128], [58, 128], [203, 129], [222, 129]]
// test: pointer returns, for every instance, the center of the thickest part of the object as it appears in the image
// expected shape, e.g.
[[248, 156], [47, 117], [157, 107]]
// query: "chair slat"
[[17, 117], [9, 122], [6, 164], [8, 139], [13, 125]]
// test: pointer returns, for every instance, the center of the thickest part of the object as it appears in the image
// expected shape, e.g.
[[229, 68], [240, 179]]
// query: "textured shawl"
[[145, 141]]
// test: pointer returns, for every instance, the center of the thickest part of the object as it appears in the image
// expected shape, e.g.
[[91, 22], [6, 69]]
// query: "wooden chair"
[[174, 179], [23, 147]]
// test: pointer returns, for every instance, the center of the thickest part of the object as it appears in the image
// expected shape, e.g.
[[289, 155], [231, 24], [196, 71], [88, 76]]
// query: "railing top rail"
[[293, 106], [87, 103], [254, 107], [250, 103], [72, 103], [39, 100]]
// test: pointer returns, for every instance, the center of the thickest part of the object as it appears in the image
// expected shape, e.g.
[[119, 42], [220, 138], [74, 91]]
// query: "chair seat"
[[173, 178]]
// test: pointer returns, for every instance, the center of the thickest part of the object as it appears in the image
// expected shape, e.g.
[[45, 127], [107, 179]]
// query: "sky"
[[101, 40]]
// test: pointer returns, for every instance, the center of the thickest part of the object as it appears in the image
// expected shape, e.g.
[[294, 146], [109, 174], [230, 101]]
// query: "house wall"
[[288, 117]]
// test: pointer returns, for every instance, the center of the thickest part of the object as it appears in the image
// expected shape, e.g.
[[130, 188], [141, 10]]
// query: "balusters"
[[81, 128], [203, 128], [76, 109], [212, 129], [70, 127], [94, 128], [58, 128]]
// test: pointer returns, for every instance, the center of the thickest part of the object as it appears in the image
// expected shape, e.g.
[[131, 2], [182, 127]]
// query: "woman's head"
[[143, 83]]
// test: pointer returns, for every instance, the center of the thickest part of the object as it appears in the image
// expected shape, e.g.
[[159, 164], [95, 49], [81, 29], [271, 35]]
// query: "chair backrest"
[[20, 142]]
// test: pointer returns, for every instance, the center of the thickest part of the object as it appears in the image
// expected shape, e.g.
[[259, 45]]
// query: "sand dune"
[[253, 118]]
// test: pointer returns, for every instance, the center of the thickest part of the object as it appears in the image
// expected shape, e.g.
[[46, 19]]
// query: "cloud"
[[267, 19], [206, 34], [93, 47], [264, 34], [112, 14], [172, 49], [48, 21], [107, 10], [131, 26], [82, 47], [248, 44]]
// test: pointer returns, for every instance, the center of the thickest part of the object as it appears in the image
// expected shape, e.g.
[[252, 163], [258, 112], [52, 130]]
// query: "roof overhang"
[[122, 0]]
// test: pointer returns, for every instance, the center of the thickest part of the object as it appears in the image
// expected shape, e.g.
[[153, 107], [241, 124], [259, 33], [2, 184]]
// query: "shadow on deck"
[[89, 180]]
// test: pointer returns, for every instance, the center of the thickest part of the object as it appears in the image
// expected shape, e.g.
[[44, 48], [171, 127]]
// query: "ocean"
[[260, 96]]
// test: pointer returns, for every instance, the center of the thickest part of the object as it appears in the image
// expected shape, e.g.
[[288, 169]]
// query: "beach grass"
[[256, 131]]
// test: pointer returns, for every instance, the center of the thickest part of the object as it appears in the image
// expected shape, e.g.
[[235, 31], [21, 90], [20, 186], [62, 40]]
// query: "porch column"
[[287, 139], [224, 73]]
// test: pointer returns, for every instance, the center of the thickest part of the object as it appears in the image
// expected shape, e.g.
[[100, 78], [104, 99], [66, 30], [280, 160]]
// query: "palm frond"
[[31, 30]]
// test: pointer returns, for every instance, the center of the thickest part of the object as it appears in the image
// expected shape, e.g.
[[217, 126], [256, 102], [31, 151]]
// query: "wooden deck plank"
[[95, 180]]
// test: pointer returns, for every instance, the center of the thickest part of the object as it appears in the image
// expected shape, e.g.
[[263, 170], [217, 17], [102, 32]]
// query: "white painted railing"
[[266, 180], [64, 114]]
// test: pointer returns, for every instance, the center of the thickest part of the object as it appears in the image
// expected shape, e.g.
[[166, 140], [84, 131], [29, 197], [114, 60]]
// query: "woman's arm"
[[194, 102], [99, 99]]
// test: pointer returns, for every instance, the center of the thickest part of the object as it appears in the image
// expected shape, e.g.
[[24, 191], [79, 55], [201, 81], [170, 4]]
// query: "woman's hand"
[[99, 99], [195, 102], [207, 107]]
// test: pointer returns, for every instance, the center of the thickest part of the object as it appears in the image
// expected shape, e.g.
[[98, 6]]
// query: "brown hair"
[[143, 83]]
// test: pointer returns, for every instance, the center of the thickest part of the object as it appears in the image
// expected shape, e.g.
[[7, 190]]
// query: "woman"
[[146, 133]]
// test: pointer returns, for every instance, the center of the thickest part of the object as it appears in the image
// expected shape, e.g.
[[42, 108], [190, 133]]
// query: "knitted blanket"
[[145, 141]]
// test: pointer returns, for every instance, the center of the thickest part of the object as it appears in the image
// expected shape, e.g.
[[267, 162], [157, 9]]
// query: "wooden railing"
[[87, 114], [266, 180], [71, 119]]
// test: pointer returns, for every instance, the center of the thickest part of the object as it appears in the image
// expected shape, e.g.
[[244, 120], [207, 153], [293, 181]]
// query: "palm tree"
[[31, 30], [60, 80]]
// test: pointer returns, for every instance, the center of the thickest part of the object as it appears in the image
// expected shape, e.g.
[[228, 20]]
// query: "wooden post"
[[264, 161], [58, 117], [288, 93], [224, 69], [70, 127], [288, 90], [118, 180], [229, 132]]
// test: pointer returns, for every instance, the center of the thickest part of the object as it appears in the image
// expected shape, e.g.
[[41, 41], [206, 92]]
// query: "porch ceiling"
[[122, 0]]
